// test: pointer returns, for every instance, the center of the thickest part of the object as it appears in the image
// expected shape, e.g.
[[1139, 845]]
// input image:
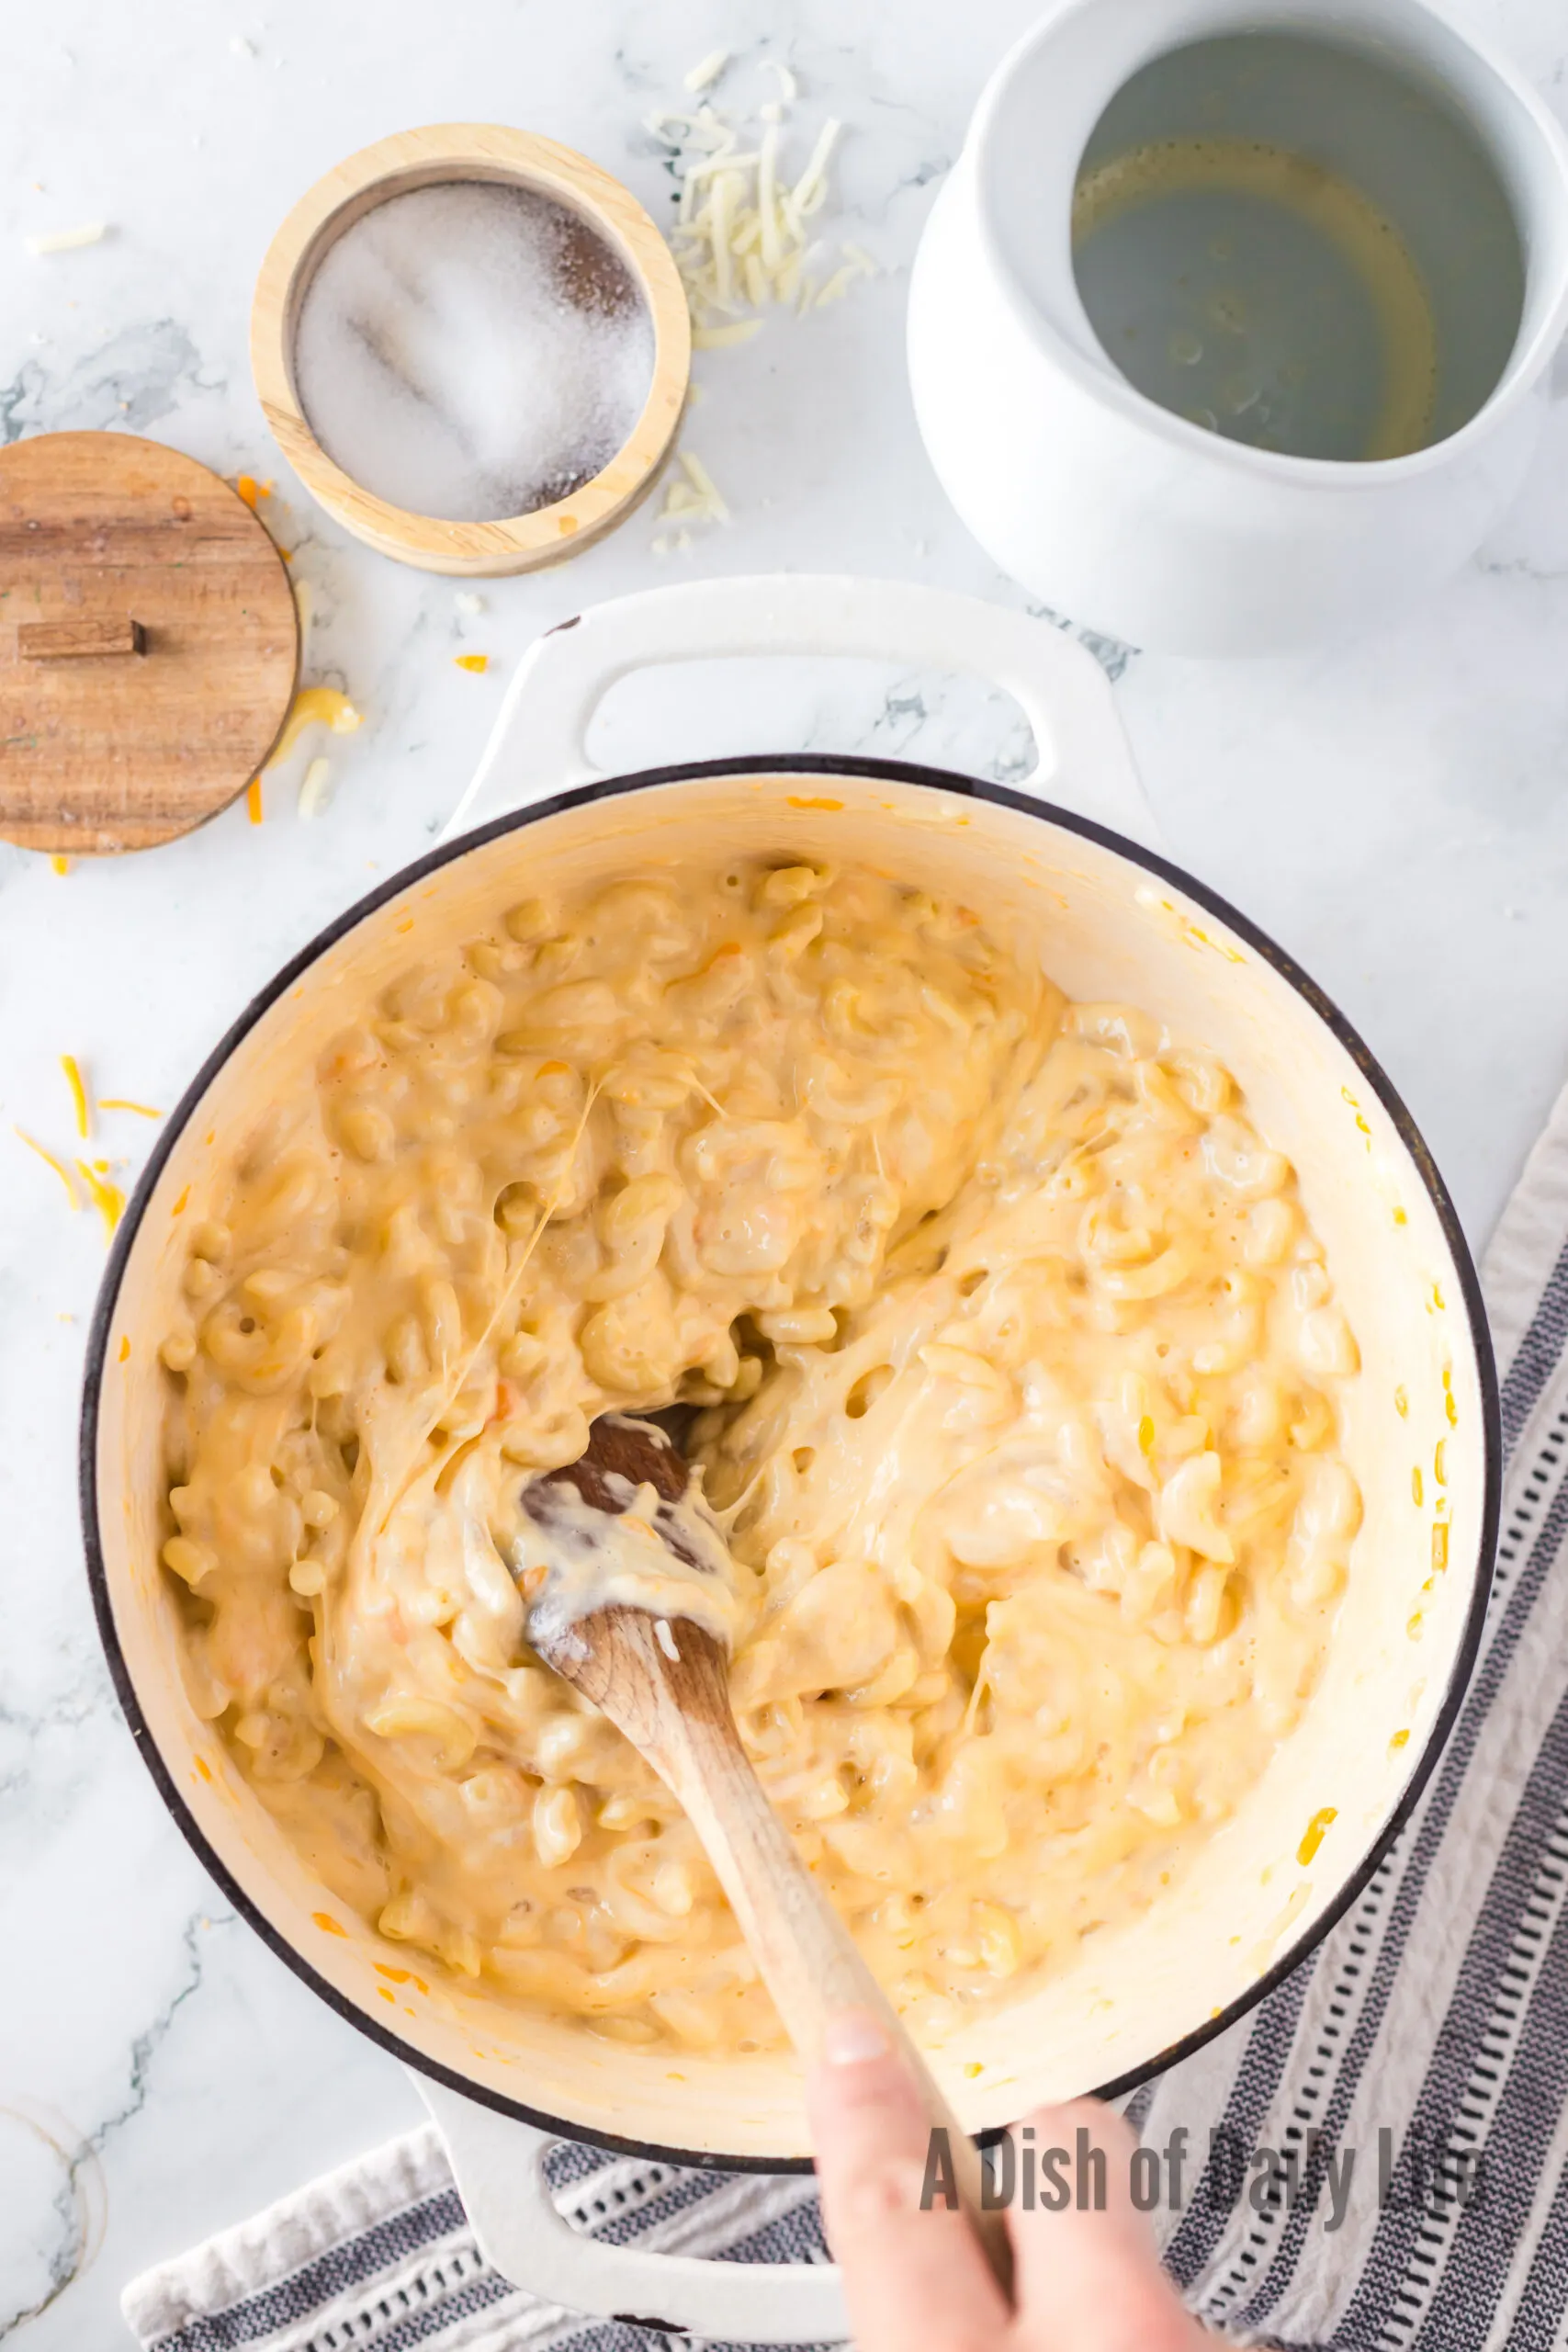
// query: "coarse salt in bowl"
[[473, 347]]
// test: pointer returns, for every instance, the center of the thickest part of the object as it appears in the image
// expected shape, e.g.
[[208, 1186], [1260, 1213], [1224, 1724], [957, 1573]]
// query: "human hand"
[[1085, 2281]]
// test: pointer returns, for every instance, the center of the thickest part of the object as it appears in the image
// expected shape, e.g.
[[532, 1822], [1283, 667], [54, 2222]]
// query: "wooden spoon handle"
[[809, 1961]]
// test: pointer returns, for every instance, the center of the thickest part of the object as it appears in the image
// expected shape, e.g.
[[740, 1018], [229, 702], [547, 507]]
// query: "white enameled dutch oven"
[[1063, 862]]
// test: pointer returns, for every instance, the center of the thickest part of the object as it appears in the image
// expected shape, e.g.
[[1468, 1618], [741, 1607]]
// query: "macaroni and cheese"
[[1016, 1369]]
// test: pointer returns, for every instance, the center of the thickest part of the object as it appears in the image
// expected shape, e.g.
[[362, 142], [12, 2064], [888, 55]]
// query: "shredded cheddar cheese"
[[74, 1079], [1317, 1829], [124, 1102], [106, 1197], [478, 663], [50, 1160], [254, 800]]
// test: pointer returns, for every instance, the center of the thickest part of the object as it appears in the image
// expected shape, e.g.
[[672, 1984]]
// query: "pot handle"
[[539, 744], [498, 2164]]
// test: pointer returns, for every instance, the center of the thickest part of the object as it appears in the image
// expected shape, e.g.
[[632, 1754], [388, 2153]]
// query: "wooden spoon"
[[666, 1685]]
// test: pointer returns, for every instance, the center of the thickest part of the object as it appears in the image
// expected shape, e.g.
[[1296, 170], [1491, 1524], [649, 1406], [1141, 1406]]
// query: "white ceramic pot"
[[1063, 861], [1121, 513]]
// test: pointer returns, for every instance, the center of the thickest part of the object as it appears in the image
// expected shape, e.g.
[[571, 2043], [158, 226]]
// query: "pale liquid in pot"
[[1021, 1385], [1297, 246]]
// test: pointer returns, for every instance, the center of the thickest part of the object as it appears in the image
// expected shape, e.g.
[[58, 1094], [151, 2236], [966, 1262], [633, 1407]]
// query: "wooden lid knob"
[[149, 643], [92, 635]]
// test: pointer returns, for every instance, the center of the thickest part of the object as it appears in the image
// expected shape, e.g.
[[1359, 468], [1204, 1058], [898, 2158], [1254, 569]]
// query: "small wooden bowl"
[[468, 151]]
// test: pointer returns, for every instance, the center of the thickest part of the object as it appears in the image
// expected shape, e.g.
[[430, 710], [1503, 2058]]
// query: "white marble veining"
[[1395, 811]]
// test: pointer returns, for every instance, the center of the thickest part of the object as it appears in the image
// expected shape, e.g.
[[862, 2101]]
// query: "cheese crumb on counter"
[[315, 706]]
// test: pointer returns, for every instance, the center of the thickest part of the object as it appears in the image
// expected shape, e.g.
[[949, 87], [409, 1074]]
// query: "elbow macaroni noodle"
[[1017, 1368]]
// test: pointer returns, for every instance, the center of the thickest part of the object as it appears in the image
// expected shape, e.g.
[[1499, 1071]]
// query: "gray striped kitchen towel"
[[1379, 2153], [379, 2257]]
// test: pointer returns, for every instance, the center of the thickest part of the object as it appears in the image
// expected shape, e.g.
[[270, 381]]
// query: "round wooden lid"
[[149, 643]]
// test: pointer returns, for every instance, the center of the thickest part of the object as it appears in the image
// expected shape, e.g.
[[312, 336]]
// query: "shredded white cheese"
[[744, 244], [809, 190], [691, 496], [316, 791], [67, 241], [703, 76], [741, 239], [703, 482]]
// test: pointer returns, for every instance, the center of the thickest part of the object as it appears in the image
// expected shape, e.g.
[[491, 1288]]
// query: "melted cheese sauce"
[[1019, 1372]]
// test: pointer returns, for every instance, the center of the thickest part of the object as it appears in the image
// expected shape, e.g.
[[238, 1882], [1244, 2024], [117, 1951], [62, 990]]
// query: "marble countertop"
[[1394, 811]]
